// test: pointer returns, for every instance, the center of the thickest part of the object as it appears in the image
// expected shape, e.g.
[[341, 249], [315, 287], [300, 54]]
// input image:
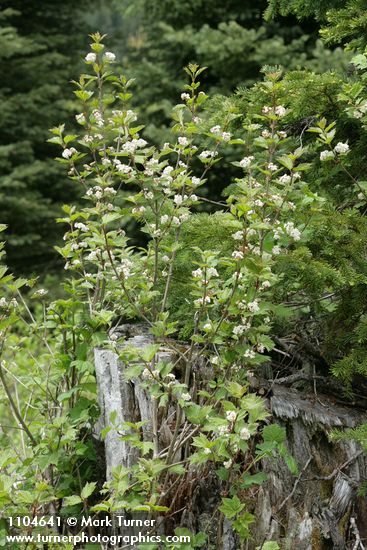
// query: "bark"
[[318, 509]]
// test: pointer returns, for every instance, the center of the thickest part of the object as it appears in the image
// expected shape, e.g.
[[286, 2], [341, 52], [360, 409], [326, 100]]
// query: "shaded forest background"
[[42, 46]]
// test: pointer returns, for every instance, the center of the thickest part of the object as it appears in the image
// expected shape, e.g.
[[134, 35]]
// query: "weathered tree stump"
[[318, 509]]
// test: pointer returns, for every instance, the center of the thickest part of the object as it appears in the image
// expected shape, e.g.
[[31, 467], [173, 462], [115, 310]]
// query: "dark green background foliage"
[[41, 49]]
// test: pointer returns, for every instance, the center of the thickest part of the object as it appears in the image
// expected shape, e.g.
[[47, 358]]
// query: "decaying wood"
[[319, 508]]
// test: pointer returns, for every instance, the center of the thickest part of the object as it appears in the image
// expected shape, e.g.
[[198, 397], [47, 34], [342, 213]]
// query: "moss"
[[326, 489], [316, 539]]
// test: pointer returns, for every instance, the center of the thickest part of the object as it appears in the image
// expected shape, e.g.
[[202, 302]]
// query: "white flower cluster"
[[201, 301], [223, 430], [122, 168], [326, 155], [91, 57], [109, 57], [132, 145], [231, 416], [80, 118], [246, 161], [285, 179], [208, 154], [186, 397], [253, 306], [279, 110], [81, 226], [68, 153], [151, 166], [249, 354], [182, 140], [245, 434], [238, 236], [185, 96], [341, 148], [98, 118], [125, 267], [98, 192], [292, 231], [217, 131]]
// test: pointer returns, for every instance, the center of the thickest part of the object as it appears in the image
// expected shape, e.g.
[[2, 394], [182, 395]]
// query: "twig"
[[358, 542], [336, 470], [295, 484]]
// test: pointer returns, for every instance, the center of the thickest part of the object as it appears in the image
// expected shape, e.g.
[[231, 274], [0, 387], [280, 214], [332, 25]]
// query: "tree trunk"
[[318, 509]]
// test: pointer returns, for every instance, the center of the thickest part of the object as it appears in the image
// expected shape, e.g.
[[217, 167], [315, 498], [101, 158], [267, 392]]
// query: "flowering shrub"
[[229, 299]]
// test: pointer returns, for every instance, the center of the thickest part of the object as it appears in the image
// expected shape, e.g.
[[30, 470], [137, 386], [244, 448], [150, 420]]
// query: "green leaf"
[[72, 500], [231, 507], [88, 489]]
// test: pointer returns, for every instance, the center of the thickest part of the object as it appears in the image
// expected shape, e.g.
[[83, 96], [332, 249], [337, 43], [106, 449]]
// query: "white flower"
[[266, 109], [292, 231], [285, 178], [222, 430], [212, 272], [208, 154], [185, 96], [80, 118], [124, 168], [341, 148], [201, 301], [238, 236], [282, 135], [110, 57], [253, 306], [280, 110], [146, 374], [214, 360], [237, 255], [245, 434], [90, 57], [227, 464], [266, 284], [165, 259], [183, 141], [226, 136], [67, 153], [207, 451], [231, 416], [207, 326], [246, 161], [272, 167], [326, 155], [276, 250], [249, 354], [164, 218], [81, 226], [238, 330], [258, 202], [360, 196], [195, 181], [178, 199], [3, 302], [215, 130], [186, 397], [197, 273], [265, 134]]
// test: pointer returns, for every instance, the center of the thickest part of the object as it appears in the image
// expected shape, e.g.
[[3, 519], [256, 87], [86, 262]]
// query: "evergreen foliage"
[[36, 39]]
